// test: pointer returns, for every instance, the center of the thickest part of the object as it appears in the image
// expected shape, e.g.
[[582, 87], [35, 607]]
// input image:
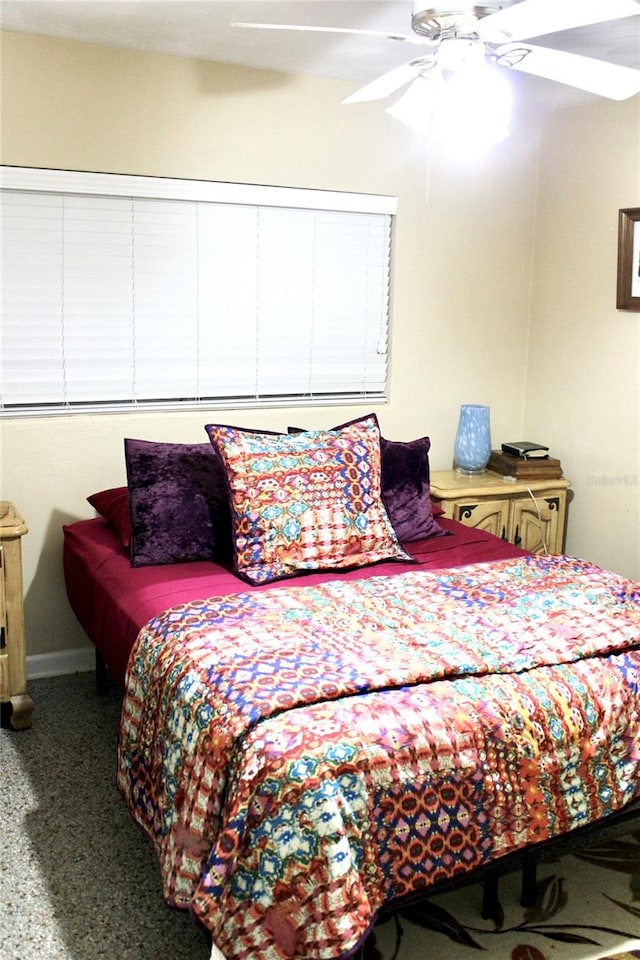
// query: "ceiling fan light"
[[473, 109], [460, 53], [468, 112]]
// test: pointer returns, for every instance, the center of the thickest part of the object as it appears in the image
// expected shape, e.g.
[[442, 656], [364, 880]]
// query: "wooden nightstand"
[[529, 513], [17, 705]]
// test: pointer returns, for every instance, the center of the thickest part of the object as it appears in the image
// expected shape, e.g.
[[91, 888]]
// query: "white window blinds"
[[122, 292]]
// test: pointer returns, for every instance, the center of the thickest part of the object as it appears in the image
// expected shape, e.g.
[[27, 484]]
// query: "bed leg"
[[101, 676], [529, 870], [490, 894]]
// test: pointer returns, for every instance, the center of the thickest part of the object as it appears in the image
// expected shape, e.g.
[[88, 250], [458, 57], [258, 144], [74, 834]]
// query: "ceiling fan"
[[457, 34]]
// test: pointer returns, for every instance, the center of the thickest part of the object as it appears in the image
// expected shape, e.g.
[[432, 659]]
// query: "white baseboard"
[[60, 663]]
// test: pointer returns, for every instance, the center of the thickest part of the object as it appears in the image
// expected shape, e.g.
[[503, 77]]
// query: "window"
[[123, 292]]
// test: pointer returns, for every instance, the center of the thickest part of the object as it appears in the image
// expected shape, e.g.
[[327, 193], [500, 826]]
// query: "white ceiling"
[[202, 29]]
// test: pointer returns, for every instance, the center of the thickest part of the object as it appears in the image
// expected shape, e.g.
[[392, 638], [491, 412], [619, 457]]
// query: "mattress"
[[113, 600]]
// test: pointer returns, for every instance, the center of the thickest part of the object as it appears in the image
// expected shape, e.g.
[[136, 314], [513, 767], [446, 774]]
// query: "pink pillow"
[[113, 505]]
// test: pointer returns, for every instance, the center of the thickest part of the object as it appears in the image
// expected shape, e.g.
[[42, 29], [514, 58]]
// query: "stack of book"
[[525, 460]]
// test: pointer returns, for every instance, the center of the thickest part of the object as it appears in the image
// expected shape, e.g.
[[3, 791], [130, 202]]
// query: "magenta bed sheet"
[[113, 601]]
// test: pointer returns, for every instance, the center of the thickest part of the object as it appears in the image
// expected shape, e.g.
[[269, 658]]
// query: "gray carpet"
[[80, 882]]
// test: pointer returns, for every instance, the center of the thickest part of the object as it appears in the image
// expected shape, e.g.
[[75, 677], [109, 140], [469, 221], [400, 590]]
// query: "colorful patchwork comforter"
[[299, 757]]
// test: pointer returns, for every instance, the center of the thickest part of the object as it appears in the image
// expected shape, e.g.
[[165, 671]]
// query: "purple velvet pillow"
[[177, 501], [405, 489]]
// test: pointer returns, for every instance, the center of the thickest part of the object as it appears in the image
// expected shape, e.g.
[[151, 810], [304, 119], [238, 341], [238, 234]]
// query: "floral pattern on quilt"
[[299, 757]]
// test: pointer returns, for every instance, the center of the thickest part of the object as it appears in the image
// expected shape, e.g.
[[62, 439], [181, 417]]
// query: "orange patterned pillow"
[[305, 501]]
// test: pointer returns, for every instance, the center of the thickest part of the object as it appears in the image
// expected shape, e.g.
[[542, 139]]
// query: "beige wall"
[[462, 281], [583, 390]]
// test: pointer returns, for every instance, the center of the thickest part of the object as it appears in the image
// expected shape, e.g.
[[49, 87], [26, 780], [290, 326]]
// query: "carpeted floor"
[[79, 881]]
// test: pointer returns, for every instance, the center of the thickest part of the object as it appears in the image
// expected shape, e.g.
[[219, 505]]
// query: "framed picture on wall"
[[628, 297]]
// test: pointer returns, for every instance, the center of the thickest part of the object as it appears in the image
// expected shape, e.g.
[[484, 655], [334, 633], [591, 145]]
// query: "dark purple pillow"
[[177, 502], [405, 489]]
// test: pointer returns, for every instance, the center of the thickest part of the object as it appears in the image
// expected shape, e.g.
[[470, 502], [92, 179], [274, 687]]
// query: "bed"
[[305, 746]]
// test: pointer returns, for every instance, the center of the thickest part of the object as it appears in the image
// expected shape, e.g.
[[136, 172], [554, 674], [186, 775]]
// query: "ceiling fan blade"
[[414, 107], [585, 73], [409, 38], [535, 18], [387, 83]]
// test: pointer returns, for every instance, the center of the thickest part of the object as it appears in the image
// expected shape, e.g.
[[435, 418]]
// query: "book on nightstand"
[[534, 468], [525, 448]]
